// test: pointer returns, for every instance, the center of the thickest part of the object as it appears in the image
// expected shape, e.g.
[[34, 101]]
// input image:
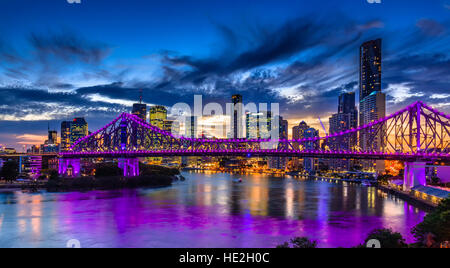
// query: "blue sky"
[[61, 60]]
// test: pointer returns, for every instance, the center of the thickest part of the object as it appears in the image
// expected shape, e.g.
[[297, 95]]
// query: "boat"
[[238, 180], [366, 183]]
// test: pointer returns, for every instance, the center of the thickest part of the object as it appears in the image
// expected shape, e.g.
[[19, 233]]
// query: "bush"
[[387, 238], [299, 242], [148, 170], [10, 171], [107, 170], [435, 228]]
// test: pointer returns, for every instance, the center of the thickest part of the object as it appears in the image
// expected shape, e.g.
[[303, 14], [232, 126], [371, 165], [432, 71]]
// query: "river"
[[206, 210]]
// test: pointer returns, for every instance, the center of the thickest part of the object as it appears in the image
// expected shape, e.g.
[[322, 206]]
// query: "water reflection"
[[206, 210]]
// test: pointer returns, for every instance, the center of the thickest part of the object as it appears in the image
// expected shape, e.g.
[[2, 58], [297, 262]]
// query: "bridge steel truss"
[[415, 133]]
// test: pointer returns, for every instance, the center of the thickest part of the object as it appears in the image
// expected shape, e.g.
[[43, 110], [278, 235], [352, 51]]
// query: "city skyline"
[[304, 69]]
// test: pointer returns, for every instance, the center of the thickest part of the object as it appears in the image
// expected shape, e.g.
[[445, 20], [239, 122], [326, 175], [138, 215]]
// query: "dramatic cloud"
[[431, 27]]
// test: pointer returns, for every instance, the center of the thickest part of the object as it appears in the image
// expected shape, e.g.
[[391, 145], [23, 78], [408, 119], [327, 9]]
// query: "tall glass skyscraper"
[[140, 110], [370, 68], [237, 131], [158, 114], [65, 135], [345, 119], [372, 102], [78, 129]]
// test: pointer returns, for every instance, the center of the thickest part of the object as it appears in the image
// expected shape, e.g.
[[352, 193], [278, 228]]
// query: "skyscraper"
[[191, 126], [251, 126], [311, 164], [297, 133], [65, 135], [370, 68], [345, 119], [236, 126], [172, 127], [140, 109], [280, 162], [372, 102], [52, 137], [158, 114], [78, 129]]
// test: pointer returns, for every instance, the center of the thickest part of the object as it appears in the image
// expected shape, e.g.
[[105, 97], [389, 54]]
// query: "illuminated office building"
[[140, 110], [311, 164], [372, 102], [236, 126], [65, 135], [158, 114], [78, 129]]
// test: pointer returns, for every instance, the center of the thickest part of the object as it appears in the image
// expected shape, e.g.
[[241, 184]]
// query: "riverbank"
[[109, 183], [408, 197]]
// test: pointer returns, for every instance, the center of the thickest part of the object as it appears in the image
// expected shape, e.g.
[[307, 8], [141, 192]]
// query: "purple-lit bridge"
[[416, 135]]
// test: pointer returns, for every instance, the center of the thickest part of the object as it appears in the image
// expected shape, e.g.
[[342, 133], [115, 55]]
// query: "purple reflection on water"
[[207, 210]]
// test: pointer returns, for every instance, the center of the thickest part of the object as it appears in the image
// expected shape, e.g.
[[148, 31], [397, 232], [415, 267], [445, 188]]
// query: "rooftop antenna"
[[140, 96]]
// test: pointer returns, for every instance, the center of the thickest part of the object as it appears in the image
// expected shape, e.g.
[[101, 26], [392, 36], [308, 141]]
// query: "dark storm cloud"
[[49, 57], [431, 27], [267, 45], [69, 47]]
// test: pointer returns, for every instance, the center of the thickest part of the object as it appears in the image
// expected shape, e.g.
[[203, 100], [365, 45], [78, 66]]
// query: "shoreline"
[[410, 199]]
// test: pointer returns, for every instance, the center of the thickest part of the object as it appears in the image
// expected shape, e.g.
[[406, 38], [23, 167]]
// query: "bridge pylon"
[[130, 166], [414, 175]]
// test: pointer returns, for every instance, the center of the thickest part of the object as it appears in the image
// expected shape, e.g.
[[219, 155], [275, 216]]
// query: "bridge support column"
[[130, 166], [69, 167], [414, 175]]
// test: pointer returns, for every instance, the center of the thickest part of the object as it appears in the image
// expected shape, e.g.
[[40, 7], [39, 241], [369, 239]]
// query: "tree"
[[387, 238], [435, 228], [53, 174], [299, 242], [10, 171], [435, 180], [107, 170]]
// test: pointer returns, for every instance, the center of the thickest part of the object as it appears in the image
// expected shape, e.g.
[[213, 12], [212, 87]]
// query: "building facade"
[[65, 136], [140, 110], [78, 129], [158, 114], [372, 102], [236, 125], [311, 164], [345, 119]]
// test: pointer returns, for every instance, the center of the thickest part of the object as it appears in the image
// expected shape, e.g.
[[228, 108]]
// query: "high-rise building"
[[236, 126], [78, 129], [65, 136], [52, 137], [345, 119], [311, 164], [140, 109], [158, 114], [258, 125], [191, 126], [280, 162], [251, 125], [172, 127], [372, 102], [297, 133], [370, 68]]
